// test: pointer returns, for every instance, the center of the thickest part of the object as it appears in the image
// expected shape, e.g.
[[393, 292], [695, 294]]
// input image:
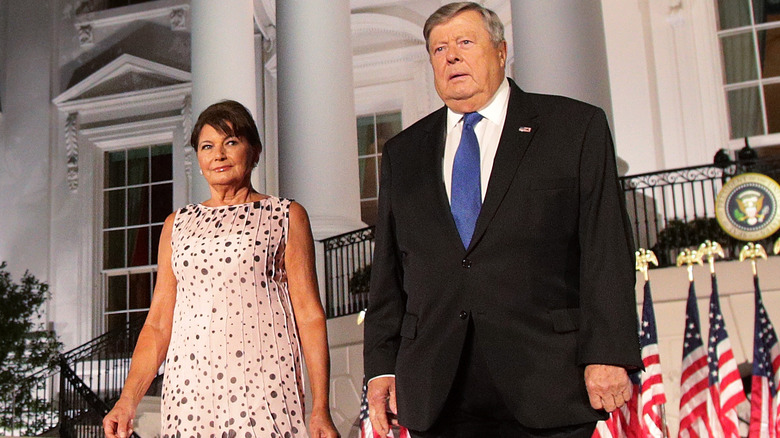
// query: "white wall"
[[665, 74], [24, 147]]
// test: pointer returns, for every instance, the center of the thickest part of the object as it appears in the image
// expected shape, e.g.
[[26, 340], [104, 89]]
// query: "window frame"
[[167, 130], [765, 138]]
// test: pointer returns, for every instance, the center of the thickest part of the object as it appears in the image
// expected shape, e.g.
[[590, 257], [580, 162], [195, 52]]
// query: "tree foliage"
[[27, 349]]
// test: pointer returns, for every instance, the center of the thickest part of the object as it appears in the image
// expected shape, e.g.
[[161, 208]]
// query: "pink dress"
[[233, 367]]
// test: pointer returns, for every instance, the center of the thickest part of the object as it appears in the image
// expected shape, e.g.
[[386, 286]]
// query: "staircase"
[[75, 395]]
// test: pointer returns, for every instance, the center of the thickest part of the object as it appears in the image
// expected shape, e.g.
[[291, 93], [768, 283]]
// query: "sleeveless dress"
[[233, 367]]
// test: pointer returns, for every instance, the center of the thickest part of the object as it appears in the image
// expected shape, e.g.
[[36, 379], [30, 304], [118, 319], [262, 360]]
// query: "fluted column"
[[223, 62], [318, 164], [559, 48]]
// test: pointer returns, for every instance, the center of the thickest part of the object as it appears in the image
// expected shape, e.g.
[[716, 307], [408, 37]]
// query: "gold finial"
[[361, 317], [709, 250], [777, 246], [752, 251], [643, 259], [688, 257]]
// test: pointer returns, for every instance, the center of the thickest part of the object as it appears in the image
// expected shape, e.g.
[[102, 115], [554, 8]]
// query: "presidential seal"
[[747, 206]]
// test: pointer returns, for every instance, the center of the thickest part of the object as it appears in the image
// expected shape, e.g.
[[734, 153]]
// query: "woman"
[[236, 286]]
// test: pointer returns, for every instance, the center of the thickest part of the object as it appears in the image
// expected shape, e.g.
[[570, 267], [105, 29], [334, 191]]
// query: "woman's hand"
[[119, 422], [321, 425]]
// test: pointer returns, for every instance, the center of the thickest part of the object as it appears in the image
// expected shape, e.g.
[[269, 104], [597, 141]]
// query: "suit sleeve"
[[387, 299], [609, 322]]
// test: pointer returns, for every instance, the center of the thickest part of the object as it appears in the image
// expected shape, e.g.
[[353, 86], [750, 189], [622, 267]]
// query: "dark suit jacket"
[[548, 278]]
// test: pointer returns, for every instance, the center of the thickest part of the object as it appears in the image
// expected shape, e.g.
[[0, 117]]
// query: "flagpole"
[[643, 260], [689, 257], [753, 251], [710, 250]]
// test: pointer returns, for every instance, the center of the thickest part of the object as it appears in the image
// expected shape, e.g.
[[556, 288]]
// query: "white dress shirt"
[[488, 131]]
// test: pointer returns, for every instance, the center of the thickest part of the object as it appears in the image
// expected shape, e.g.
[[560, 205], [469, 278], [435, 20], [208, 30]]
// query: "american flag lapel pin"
[[525, 129]]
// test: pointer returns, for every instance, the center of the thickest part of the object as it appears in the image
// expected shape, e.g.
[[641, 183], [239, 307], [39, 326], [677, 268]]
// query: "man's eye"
[[438, 49], [467, 42]]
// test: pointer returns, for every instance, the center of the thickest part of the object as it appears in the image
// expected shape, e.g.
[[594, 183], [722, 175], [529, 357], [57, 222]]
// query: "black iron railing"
[[30, 408], [92, 377], [347, 271], [669, 211], [71, 398], [675, 209]]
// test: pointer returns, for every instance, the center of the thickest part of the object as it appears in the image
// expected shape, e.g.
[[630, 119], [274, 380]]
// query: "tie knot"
[[471, 119]]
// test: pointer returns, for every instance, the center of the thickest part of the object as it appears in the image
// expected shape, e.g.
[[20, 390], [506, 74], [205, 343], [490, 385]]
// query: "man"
[[502, 290]]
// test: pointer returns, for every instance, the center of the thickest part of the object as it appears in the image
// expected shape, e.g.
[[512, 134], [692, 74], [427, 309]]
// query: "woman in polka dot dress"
[[235, 304]]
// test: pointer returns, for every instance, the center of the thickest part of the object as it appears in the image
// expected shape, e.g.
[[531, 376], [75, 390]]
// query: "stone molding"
[[72, 151]]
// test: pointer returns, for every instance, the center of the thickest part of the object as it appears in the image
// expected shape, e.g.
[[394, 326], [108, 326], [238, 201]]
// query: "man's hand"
[[381, 399], [608, 386]]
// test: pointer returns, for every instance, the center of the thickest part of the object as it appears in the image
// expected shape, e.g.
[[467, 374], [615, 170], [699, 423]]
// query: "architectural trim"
[[265, 18], [388, 57], [133, 134], [371, 23], [72, 151], [123, 64], [178, 18], [85, 35], [133, 13]]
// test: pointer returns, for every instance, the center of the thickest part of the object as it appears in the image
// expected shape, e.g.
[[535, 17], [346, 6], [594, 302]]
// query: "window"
[[749, 33], [137, 197], [373, 131]]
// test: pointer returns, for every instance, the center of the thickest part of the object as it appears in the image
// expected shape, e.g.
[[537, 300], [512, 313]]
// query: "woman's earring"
[[201, 171]]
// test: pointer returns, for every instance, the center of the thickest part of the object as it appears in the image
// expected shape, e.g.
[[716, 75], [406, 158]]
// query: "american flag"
[[366, 430], [652, 395], [725, 382], [764, 400], [693, 382]]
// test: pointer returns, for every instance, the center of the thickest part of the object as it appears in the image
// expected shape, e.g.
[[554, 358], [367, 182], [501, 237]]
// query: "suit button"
[[463, 314], [466, 263]]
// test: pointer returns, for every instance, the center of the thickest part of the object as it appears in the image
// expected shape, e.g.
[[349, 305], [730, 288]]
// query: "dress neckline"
[[234, 205]]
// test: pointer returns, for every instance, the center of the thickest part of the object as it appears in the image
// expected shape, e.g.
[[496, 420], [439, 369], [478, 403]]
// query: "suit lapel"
[[520, 126], [435, 194]]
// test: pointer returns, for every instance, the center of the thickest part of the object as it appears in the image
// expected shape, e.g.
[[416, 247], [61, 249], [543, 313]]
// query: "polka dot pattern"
[[233, 366]]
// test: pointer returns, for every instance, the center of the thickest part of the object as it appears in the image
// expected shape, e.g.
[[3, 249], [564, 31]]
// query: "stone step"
[[148, 418]]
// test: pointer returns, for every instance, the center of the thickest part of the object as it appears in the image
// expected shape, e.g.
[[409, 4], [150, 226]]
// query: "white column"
[[317, 132], [559, 48], [223, 62]]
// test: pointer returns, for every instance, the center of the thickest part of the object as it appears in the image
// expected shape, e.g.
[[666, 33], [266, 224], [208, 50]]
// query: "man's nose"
[[453, 55]]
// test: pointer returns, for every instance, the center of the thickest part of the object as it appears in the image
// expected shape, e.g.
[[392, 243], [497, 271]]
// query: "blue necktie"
[[466, 193]]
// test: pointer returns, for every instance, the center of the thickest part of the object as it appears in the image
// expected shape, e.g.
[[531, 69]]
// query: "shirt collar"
[[492, 111]]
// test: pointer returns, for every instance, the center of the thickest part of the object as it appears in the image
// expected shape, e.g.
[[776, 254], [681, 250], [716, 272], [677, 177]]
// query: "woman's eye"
[[205, 146]]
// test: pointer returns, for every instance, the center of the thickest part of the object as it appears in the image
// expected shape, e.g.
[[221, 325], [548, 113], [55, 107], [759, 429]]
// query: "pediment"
[[125, 74]]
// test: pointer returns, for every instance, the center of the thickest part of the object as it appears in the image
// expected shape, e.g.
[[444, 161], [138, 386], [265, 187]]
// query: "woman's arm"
[[152, 342], [310, 317]]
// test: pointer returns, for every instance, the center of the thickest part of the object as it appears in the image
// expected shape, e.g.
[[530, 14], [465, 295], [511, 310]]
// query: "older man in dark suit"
[[502, 291]]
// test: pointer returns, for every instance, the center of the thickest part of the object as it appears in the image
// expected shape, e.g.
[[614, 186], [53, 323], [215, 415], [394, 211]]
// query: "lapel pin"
[[525, 129]]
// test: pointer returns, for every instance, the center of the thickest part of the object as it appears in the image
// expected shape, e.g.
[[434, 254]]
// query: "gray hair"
[[493, 24]]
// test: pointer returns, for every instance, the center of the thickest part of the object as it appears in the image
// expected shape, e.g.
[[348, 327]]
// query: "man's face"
[[467, 67]]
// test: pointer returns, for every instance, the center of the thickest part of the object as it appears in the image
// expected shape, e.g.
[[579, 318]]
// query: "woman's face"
[[224, 160]]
